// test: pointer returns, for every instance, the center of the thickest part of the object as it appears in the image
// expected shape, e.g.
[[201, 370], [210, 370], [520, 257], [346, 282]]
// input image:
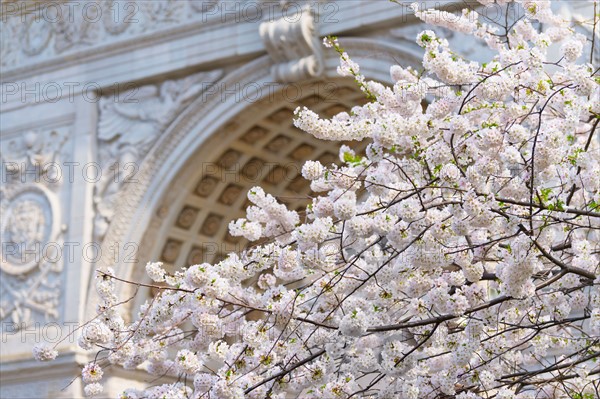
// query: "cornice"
[[337, 17], [114, 48]]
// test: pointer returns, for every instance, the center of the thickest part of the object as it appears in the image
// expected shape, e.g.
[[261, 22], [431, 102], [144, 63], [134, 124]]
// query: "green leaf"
[[352, 159], [546, 194]]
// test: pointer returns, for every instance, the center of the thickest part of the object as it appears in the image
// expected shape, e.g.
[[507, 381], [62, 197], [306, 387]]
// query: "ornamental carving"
[[36, 35], [38, 31], [31, 227], [203, 5], [35, 156], [76, 32], [293, 45], [116, 26], [26, 224], [129, 128], [162, 12], [10, 49]]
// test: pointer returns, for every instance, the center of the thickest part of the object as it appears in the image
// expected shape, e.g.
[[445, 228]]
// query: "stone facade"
[[131, 130]]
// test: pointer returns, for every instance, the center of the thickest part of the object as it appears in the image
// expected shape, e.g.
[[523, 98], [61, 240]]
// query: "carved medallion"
[[26, 227], [33, 251], [36, 36]]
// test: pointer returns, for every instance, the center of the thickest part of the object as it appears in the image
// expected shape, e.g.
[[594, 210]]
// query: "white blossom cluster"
[[458, 257]]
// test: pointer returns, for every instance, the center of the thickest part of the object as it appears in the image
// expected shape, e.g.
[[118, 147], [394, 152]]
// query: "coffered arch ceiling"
[[260, 146]]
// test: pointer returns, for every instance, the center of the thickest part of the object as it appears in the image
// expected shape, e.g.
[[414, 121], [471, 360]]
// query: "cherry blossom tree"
[[456, 258]]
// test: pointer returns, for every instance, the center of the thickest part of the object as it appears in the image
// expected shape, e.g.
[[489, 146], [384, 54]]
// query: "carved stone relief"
[[44, 30], [162, 12], [32, 229], [10, 29], [76, 32], [48, 29], [36, 35], [116, 26], [127, 130], [203, 5]]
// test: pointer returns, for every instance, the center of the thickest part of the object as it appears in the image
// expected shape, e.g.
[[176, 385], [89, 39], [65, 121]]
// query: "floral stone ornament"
[[457, 258]]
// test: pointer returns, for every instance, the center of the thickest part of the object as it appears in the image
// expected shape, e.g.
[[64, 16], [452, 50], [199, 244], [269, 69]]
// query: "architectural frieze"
[[32, 227], [128, 128]]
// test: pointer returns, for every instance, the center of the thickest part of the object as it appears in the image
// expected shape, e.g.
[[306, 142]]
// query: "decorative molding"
[[29, 211], [32, 229], [127, 130], [47, 30], [293, 45]]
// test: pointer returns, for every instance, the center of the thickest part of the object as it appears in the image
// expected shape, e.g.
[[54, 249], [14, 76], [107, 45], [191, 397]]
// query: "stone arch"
[[197, 124], [259, 146]]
